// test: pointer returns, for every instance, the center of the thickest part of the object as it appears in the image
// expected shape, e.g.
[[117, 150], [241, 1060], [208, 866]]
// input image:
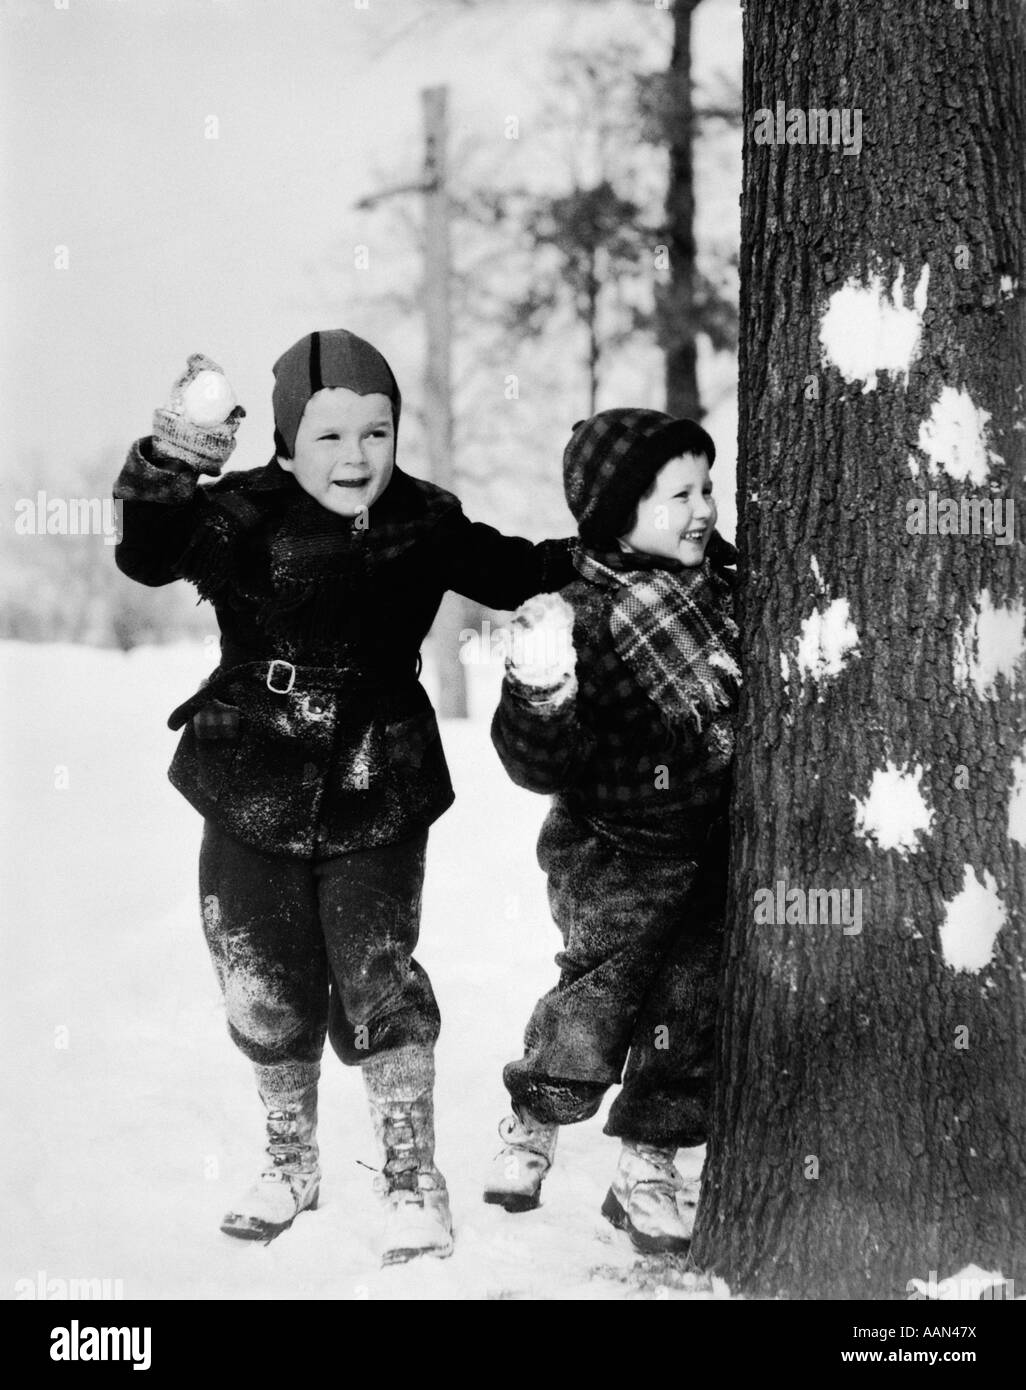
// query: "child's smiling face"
[[345, 449], [676, 516]]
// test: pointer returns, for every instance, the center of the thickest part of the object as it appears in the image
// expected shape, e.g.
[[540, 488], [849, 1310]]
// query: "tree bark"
[[869, 1123], [678, 316]]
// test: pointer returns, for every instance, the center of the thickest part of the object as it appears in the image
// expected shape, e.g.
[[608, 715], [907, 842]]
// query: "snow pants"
[[308, 949], [638, 985]]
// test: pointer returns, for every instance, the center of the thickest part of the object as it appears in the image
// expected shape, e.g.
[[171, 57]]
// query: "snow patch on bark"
[[864, 332], [895, 813], [954, 438], [991, 644], [826, 641], [1017, 802], [971, 923], [969, 1283]]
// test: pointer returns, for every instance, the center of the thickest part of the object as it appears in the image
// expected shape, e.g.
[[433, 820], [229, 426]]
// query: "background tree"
[[603, 247], [584, 244], [869, 1125], [678, 299], [689, 301], [585, 228]]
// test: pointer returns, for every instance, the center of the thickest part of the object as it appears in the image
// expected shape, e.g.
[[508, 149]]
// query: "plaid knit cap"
[[334, 357], [611, 461]]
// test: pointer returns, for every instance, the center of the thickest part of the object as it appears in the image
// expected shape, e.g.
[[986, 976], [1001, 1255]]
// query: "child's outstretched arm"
[[161, 502], [500, 571], [536, 731]]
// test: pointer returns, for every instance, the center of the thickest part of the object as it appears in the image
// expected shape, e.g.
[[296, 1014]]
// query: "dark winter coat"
[[349, 756], [615, 761]]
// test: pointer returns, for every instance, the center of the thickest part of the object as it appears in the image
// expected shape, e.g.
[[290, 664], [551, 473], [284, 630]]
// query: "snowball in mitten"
[[198, 423], [542, 653]]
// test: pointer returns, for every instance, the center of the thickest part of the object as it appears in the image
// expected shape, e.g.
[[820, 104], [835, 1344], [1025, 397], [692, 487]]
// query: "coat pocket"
[[217, 720], [217, 740]]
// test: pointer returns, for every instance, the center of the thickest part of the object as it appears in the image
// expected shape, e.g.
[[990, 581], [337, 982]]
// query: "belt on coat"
[[282, 676]]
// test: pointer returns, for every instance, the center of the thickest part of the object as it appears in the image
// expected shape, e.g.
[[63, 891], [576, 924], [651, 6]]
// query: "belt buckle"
[[270, 676]]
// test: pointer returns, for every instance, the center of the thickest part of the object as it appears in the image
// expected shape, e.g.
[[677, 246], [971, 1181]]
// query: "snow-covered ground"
[[130, 1119]]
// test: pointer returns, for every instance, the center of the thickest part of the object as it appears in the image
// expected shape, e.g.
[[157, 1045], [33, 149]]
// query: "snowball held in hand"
[[208, 399], [541, 641]]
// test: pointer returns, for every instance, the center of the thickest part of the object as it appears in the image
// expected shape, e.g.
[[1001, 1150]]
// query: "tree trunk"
[[870, 1125], [678, 314], [591, 314]]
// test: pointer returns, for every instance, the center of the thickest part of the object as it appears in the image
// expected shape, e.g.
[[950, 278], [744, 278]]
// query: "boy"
[[312, 750], [618, 699]]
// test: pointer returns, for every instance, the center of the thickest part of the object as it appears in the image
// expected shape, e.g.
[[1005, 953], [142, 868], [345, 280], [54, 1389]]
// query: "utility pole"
[[454, 615], [437, 269]]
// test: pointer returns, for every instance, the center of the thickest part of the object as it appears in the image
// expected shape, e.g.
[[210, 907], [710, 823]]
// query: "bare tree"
[[583, 243]]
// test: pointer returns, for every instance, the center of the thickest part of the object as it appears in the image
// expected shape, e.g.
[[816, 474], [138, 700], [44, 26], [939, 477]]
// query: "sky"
[[177, 242]]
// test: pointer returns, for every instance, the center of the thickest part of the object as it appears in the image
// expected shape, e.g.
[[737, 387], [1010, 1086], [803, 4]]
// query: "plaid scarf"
[[673, 626]]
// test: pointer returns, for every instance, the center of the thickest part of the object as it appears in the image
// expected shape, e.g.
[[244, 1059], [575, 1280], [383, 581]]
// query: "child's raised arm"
[[161, 502]]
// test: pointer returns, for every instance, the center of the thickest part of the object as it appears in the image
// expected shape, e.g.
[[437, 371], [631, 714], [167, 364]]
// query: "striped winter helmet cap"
[[332, 357]]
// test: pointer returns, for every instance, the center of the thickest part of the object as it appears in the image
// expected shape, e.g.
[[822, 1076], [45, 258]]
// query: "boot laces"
[[662, 1160], [510, 1129], [401, 1171], [514, 1133], [289, 1155]]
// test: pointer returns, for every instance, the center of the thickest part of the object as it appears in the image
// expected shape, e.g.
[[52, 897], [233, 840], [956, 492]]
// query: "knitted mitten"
[[542, 656], [198, 424]]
